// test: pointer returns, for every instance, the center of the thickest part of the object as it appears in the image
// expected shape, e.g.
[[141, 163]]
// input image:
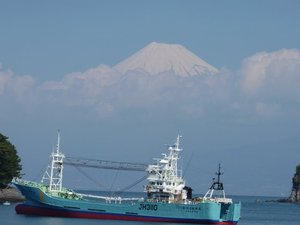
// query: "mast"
[[56, 169], [219, 184], [216, 185], [174, 156]]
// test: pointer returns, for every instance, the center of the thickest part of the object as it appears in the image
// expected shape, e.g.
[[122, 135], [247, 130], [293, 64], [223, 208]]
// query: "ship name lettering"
[[148, 207]]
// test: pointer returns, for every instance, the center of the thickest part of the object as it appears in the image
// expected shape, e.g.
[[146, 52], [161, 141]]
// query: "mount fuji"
[[159, 58]]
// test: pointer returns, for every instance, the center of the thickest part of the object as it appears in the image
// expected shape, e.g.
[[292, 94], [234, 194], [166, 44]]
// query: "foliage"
[[10, 163], [298, 170], [296, 178]]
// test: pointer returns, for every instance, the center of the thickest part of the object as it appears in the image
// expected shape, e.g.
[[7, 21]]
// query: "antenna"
[[218, 183], [58, 141]]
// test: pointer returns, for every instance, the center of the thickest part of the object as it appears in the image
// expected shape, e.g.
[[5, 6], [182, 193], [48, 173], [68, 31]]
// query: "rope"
[[91, 179], [187, 165], [114, 180], [128, 187], [42, 172]]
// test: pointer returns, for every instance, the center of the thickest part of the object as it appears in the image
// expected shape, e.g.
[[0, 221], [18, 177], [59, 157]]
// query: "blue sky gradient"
[[247, 118]]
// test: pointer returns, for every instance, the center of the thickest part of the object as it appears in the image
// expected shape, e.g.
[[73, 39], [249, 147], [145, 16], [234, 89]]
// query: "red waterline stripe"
[[42, 211]]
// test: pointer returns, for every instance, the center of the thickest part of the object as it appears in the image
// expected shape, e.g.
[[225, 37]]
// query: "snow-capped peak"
[[157, 58]]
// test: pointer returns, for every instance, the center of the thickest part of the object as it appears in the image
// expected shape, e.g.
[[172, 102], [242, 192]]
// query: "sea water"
[[255, 211]]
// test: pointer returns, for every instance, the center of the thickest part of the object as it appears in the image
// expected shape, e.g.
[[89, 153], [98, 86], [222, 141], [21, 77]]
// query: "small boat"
[[6, 203], [168, 199]]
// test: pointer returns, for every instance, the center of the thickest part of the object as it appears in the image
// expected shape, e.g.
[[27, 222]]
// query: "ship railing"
[[111, 199], [28, 183], [219, 200]]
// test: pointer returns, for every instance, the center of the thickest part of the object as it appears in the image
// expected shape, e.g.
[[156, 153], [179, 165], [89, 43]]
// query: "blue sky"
[[248, 119], [65, 36]]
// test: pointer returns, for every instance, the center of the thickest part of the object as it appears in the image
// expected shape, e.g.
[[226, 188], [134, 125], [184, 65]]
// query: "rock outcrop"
[[11, 194], [295, 194]]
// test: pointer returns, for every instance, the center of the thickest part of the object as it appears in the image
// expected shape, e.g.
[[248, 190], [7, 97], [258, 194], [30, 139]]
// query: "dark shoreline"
[[11, 194], [284, 200]]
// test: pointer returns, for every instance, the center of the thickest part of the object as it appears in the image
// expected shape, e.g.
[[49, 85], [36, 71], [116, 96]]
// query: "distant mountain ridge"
[[158, 58]]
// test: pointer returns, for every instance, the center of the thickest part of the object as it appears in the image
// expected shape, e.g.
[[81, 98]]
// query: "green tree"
[[10, 163], [296, 178], [298, 170]]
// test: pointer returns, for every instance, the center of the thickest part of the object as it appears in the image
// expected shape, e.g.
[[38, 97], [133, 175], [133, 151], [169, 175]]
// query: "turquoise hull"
[[40, 202]]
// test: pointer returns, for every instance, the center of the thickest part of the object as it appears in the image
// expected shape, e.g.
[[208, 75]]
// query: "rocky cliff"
[[11, 194], [295, 194]]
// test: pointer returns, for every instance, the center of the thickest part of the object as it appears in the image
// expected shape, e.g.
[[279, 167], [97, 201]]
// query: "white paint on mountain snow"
[[157, 58]]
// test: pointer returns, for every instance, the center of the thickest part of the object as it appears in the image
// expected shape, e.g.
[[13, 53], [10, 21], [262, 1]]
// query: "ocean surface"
[[255, 211]]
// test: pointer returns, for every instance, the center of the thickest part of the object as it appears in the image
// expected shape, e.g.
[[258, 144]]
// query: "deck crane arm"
[[104, 164]]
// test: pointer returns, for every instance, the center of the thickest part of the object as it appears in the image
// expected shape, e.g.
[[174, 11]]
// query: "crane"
[[104, 164]]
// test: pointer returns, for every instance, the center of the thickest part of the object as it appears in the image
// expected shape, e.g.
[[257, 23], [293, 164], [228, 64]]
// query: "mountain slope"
[[157, 58]]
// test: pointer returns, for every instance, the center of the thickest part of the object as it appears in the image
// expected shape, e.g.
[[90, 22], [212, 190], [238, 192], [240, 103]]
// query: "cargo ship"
[[167, 197]]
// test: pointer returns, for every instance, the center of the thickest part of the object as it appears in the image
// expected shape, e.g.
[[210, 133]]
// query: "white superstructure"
[[165, 183]]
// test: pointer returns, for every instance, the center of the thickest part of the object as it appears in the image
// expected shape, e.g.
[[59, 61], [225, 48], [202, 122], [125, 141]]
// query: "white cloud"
[[270, 83], [267, 85], [90, 80], [82, 89], [5, 77], [277, 71], [23, 85], [18, 88], [106, 91]]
